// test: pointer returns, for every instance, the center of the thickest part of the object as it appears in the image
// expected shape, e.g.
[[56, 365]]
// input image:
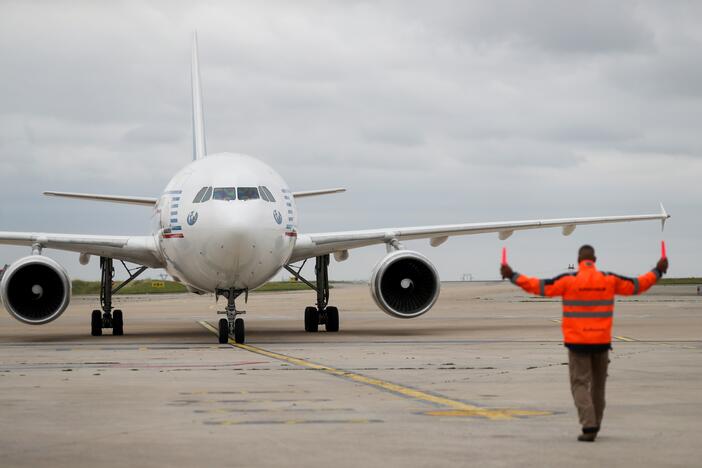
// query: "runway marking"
[[456, 407], [293, 422], [625, 338]]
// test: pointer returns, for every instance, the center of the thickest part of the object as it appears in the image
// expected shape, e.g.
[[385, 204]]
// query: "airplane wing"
[[312, 245], [146, 201], [142, 250], [314, 193]]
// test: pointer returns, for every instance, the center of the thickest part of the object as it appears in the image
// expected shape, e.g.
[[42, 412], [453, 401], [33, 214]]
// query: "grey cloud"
[[429, 112], [594, 27]]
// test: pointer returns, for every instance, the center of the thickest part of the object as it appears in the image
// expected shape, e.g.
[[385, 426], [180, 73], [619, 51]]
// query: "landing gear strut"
[[322, 314], [231, 326], [107, 318]]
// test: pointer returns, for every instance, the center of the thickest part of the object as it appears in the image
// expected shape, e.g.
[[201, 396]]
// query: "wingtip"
[[664, 216], [663, 212]]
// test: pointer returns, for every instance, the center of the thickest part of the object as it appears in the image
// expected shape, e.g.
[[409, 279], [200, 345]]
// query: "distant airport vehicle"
[[227, 223]]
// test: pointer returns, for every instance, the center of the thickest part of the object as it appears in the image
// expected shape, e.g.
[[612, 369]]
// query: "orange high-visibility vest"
[[588, 299]]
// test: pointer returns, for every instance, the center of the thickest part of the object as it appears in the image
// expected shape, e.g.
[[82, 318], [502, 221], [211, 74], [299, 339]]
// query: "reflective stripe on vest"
[[578, 303], [586, 315]]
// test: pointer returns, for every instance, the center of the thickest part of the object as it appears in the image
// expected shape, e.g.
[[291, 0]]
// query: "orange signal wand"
[[504, 255], [663, 254]]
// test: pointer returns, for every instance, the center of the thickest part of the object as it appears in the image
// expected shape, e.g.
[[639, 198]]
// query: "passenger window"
[[247, 193], [224, 193], [199, 195], [207, 195], [268, 192]]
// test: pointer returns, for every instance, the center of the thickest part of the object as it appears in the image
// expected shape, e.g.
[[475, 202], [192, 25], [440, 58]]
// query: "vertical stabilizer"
[[199, 148]]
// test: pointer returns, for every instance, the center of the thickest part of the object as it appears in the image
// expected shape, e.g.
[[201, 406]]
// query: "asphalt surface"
[[480, 380]]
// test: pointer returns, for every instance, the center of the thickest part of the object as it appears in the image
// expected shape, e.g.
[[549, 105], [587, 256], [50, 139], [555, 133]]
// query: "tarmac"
[[480, 380]]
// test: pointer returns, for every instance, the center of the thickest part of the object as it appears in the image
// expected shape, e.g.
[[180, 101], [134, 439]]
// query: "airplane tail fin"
[[199, 147]]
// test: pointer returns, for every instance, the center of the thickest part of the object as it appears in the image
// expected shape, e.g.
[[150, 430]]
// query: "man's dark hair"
[[586, 252]]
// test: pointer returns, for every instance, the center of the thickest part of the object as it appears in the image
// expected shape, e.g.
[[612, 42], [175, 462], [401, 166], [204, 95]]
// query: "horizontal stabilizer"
[[314, 193], [144, 201]]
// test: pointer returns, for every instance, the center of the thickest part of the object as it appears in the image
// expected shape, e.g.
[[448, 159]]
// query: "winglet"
[[199, 147], [664, 216]]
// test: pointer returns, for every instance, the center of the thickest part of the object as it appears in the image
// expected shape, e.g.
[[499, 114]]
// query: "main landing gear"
[[108, 318], [322, 314], [231, 326]]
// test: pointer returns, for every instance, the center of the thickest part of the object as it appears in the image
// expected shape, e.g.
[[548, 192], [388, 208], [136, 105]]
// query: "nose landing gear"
[[231, 326]]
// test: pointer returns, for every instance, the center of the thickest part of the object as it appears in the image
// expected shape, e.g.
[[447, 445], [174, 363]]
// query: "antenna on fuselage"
[[199, 147]]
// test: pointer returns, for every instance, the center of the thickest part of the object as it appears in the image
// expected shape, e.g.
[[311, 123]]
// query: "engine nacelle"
[[35, 289], [405, 284]]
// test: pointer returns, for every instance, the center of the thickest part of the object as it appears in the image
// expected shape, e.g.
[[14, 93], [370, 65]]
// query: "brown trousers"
[[588, 374]]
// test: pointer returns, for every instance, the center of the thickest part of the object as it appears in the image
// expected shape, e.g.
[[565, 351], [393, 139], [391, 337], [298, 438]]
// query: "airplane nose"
[[237, 240]]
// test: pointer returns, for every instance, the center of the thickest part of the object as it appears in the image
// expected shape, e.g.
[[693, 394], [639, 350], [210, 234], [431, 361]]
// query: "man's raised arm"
[[626, 286], [542, 287]]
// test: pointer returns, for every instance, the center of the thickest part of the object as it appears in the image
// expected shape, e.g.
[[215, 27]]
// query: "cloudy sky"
[[428, 112]]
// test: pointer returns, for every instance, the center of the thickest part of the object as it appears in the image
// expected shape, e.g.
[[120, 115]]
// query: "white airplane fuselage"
[[225, 243]]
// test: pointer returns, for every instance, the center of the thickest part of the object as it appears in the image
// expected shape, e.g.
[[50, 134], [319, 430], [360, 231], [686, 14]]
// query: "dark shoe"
[[589, 434]]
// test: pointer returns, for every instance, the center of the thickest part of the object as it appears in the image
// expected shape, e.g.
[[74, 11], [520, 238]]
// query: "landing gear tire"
[[311, 319], [223, 331], [117, 323], [239, 331], [332, 324], [96, 323]]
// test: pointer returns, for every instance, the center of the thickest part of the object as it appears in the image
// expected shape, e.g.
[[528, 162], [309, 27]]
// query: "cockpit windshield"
[[247, 193], [224, 193]]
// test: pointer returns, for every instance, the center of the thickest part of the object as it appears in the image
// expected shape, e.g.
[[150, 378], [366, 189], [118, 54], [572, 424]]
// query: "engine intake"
[[35, 289], [405, 284]]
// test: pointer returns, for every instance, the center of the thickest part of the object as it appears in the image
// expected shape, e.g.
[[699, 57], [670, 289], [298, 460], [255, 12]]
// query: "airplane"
[[226, 224]]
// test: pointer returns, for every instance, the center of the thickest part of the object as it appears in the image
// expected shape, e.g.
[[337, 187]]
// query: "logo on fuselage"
[[278, 217], [192, 218]]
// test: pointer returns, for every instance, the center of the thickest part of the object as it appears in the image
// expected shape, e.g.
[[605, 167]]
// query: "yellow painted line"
[[624, 338], [235, 422], [556, 320], [465, 408]]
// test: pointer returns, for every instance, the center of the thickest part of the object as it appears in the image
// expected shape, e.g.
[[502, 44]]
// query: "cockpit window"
[[266, 194], [207, 195], [198, 197], [263, 193], [224, 193], [247, 193]]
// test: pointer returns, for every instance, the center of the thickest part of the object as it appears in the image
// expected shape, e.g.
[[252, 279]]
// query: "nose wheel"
[[235, 329], [231, 326]]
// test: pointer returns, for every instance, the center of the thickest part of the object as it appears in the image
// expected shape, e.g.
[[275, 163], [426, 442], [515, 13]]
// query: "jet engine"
[[35, 289], [405, 284]]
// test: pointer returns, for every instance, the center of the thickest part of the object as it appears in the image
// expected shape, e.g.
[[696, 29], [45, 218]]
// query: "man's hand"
[[506, 271], [663, 265]]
